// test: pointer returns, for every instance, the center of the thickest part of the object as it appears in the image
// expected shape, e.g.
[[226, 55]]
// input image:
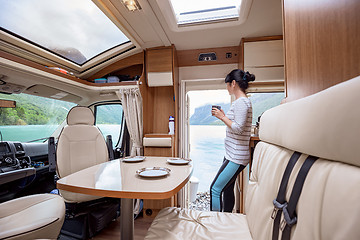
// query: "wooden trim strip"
[[123, 194], [28, 63]]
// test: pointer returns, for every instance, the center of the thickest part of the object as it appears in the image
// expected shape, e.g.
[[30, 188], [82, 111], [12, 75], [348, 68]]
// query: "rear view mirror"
[[7, 104]]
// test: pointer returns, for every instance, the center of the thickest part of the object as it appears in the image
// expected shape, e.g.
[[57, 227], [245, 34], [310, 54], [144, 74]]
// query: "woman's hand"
[[217, 113]]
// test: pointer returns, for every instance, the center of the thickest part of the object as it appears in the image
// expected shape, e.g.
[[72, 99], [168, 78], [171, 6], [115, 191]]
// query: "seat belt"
[[51, 154], [109, 145], [289, 211], [279, 202]]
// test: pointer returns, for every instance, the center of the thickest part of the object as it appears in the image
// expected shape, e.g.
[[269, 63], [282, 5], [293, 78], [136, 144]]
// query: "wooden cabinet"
[[159, 67], [161, 101], [264, 57]]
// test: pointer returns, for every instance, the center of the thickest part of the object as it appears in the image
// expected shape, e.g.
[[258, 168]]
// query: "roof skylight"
[[76, 30], [202, 11]]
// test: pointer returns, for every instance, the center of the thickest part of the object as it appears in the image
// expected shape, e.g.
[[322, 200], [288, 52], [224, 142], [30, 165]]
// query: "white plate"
[[178, 161], [134, 159], [153, 172]]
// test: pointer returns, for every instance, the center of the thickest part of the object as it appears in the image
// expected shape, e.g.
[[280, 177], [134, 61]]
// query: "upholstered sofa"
[[325, 125]]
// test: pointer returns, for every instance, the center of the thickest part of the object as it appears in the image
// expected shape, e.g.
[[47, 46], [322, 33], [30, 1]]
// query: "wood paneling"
[[321, 44], [45, 69], [152, 207], [190, 57], [159, 59], [136, 59]]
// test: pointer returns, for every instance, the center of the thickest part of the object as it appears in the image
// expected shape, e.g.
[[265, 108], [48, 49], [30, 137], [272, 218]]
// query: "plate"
[[134, 159], [153, 172], [178, 161]]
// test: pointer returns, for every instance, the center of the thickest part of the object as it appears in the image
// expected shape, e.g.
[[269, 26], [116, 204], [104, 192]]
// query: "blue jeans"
[[223, 185]]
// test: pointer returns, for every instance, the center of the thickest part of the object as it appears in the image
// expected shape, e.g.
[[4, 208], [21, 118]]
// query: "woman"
[[238, 121]]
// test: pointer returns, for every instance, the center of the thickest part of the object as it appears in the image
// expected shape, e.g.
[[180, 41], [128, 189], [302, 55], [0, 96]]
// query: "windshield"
[[34, 118]]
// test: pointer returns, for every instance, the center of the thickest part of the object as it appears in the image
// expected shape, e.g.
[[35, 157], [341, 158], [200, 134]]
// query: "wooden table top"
[[119, 179]]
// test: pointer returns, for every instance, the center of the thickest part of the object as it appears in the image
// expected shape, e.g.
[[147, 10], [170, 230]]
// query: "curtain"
[[132, 106]]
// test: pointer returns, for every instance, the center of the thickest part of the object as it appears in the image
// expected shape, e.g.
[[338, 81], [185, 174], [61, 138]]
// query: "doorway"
[[206, 142]]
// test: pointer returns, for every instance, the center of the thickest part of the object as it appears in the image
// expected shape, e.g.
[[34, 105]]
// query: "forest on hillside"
[[33, 110]]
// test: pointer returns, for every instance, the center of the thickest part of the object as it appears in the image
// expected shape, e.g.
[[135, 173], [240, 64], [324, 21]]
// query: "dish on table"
[[153, 172], [178, 161], [134, 159]]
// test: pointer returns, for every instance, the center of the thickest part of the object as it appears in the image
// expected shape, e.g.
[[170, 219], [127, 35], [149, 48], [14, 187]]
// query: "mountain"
[[260, 103], [202, 115]]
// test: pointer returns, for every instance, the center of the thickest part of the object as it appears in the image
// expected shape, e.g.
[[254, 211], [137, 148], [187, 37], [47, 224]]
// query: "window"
[[34, 118], [76, 30], [190, 12], [264, 101], [109, 119]]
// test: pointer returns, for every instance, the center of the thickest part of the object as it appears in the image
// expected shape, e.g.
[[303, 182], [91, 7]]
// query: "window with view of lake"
[[207, 133]]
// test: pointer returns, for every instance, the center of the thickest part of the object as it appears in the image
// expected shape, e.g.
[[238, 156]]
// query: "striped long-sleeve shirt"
[[238, 136]]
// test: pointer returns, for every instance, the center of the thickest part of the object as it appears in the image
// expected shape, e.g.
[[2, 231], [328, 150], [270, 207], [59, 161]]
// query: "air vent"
[[19, 148], [207, 57]]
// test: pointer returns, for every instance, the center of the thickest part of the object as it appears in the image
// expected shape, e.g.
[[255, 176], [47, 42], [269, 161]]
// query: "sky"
[[76, 24], [194, 5], [201, 98]]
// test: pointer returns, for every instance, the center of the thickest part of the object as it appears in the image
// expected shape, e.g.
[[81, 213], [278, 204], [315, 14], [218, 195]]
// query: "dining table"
[[128, 179]]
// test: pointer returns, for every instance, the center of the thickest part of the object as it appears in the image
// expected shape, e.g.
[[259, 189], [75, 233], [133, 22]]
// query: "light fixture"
[[131, 5]]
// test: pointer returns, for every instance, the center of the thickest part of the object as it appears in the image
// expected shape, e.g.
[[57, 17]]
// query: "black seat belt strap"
[[52, 154], [289, 211], [279, 202], [109, 145]]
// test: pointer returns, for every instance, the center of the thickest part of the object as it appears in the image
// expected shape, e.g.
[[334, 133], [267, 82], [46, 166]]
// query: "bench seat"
[[179, 224], [325, 125]]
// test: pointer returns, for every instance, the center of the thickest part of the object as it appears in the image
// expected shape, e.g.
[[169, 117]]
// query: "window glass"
[[76, 30], [33, 118], [264, 101], [109, 120], [189, 11]]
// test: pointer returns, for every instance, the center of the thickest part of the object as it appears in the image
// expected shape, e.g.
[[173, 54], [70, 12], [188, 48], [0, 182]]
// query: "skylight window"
[[204, 11], [76, 30]]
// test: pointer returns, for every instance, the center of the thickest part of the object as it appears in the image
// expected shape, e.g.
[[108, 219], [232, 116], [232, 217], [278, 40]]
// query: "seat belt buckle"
[[277, 206], [287, 221]]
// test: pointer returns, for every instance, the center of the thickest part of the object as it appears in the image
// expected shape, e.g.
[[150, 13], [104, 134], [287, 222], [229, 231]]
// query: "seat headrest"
[[80, 116], [326, 124]]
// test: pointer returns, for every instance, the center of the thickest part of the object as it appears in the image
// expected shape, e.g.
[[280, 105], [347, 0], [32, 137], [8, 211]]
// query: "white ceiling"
[[150, 28]]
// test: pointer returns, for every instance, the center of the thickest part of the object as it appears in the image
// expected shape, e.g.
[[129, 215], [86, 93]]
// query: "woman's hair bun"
[[248, 77], [242, 78]]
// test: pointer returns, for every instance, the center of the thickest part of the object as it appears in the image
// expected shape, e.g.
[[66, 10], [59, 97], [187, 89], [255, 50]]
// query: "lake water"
[[206, 151]]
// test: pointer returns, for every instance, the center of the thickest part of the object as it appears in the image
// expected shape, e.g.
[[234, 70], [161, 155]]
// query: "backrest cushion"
[[326, 124], [80, 115], [328, 206], [80, 145]]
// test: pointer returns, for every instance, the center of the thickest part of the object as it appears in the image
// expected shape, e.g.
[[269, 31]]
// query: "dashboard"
[[17, 155]]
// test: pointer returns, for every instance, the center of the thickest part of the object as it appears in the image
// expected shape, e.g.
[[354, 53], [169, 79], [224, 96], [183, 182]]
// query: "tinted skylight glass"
[[199, 11], [74, 29]]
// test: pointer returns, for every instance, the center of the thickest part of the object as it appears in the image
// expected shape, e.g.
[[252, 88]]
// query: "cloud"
[[201, 98], [62, 24]]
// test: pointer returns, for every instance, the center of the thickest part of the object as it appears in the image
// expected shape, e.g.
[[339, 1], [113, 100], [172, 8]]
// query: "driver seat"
[[80, 145]]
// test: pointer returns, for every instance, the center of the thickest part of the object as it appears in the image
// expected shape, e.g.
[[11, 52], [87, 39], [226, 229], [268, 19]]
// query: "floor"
[[141, 226]]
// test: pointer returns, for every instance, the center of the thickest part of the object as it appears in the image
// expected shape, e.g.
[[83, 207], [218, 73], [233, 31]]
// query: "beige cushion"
[[80, 115], [39, 216], [157, 142], [180, 224], [326, 124], [79, 146], [328, 206]]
